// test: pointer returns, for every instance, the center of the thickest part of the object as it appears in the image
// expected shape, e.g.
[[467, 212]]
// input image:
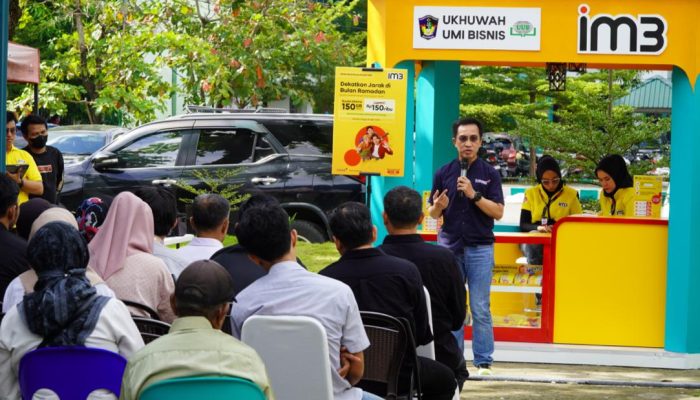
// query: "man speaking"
[[467, 193]]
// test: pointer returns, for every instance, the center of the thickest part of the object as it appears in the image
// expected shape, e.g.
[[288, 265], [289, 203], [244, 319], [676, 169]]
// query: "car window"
[[78, 143], [303, 137], [226, 146], [156, 150]]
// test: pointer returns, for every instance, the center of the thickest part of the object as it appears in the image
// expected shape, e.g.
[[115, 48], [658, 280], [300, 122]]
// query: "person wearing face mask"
[[48, 159], [617, 195], [545, 204]]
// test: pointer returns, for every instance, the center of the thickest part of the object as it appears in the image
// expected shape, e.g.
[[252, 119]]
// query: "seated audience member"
[[209, 220], [164, 208], [24, 283], [389, 285], [13, 248], [438, 269], [288, 289], [64, 309], [235, 258], [195, 345], [91, 214], [122, 254], [29, 211]]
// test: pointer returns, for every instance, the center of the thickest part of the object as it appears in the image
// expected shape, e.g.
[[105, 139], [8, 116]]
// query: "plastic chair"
[[70, 372], [428, 350], [295, 352], [203, 387], [150, 329], [391, 341], [151, 312]]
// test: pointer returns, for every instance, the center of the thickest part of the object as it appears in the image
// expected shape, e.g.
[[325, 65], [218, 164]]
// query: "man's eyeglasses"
[[10, 131], [548, 181], [471, 138]]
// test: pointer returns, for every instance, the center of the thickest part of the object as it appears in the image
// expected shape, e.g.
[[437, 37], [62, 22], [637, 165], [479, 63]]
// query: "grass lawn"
[[315, 256]]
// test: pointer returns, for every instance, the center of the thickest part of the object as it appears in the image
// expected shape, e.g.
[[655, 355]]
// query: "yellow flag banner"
[[369, 127]]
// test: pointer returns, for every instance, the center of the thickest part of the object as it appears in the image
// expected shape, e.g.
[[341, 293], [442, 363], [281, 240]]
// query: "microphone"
[[464, 167]]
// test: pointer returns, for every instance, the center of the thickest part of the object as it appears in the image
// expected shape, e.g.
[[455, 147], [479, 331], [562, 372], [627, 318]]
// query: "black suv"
[[285, 155]]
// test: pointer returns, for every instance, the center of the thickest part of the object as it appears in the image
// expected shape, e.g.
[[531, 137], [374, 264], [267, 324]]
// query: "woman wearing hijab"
[[64, 309], [29, 211], [24, 283], [122, 254], [546, 203], [617, 194], [90, 215]]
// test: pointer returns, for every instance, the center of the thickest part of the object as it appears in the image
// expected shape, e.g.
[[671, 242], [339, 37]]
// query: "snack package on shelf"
[[521, 279], [534, 280]]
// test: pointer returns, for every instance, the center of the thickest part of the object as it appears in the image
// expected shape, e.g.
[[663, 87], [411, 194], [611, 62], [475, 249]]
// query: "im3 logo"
[[644, 34]]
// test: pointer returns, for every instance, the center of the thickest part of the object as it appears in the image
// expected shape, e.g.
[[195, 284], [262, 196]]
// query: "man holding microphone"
[[467, 193]]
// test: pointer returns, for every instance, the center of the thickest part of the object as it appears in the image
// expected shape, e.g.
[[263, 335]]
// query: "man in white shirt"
[[289, 289], [209, 220]]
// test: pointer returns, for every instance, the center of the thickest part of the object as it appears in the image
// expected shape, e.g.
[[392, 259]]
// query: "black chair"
[[151, 312], [150, 329], [391, 342], [226, 327]]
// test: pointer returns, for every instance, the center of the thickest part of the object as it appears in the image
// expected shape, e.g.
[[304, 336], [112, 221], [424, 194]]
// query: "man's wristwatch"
[[477, 197]]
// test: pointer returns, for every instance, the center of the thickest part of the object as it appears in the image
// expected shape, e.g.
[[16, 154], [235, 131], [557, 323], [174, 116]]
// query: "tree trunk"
[[14, 16], [88, 84]]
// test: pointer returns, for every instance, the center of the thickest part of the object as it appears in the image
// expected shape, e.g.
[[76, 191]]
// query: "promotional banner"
[[369, 121], [647, 196], [483, 28]]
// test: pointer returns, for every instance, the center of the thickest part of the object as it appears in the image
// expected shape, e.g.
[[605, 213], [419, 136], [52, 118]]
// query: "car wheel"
[[308, 231]]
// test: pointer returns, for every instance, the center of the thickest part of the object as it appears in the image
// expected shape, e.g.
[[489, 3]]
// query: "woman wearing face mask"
[[617, 194]]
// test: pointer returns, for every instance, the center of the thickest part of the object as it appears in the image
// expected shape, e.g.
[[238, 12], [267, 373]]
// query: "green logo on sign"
[[523, 28]]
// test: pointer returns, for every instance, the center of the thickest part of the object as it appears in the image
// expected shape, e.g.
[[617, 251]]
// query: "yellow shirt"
[[564, 202], [19, 156], [624, 203]]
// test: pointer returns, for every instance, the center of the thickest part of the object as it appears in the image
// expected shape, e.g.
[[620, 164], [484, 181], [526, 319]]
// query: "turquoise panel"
[[381, 185], [683, 283]]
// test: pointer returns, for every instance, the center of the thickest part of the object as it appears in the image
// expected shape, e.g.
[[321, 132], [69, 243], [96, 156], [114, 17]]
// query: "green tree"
[[278, 48], [94, 56], [497, 95], [590, 126]]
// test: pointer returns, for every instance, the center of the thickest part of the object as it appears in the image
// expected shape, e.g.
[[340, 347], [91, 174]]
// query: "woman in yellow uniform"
[[617, 194], [549, 201], [546, 203]]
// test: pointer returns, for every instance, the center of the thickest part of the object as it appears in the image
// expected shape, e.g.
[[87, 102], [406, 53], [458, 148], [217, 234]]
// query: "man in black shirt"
[[48, 159], [13, 248], [385, 284], [438, 269]]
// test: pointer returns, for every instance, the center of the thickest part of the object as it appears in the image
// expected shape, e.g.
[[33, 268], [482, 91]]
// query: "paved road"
[[619, 377]]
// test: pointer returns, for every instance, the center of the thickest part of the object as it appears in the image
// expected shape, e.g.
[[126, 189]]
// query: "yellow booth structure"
[[613, 291]]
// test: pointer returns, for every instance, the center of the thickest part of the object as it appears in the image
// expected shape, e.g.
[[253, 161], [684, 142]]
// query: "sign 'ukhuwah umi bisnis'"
[[477, 28], [369, 126]]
